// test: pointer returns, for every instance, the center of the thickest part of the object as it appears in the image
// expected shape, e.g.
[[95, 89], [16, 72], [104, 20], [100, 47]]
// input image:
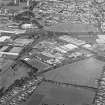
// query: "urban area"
[[52, 52]]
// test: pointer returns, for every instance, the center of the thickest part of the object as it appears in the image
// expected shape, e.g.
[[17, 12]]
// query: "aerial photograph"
[[52, 52]]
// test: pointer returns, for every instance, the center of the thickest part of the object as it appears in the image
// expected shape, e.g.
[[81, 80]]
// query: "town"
[[52, 52]]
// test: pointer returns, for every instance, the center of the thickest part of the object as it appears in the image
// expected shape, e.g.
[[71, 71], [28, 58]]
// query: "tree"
[[1, 91]]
